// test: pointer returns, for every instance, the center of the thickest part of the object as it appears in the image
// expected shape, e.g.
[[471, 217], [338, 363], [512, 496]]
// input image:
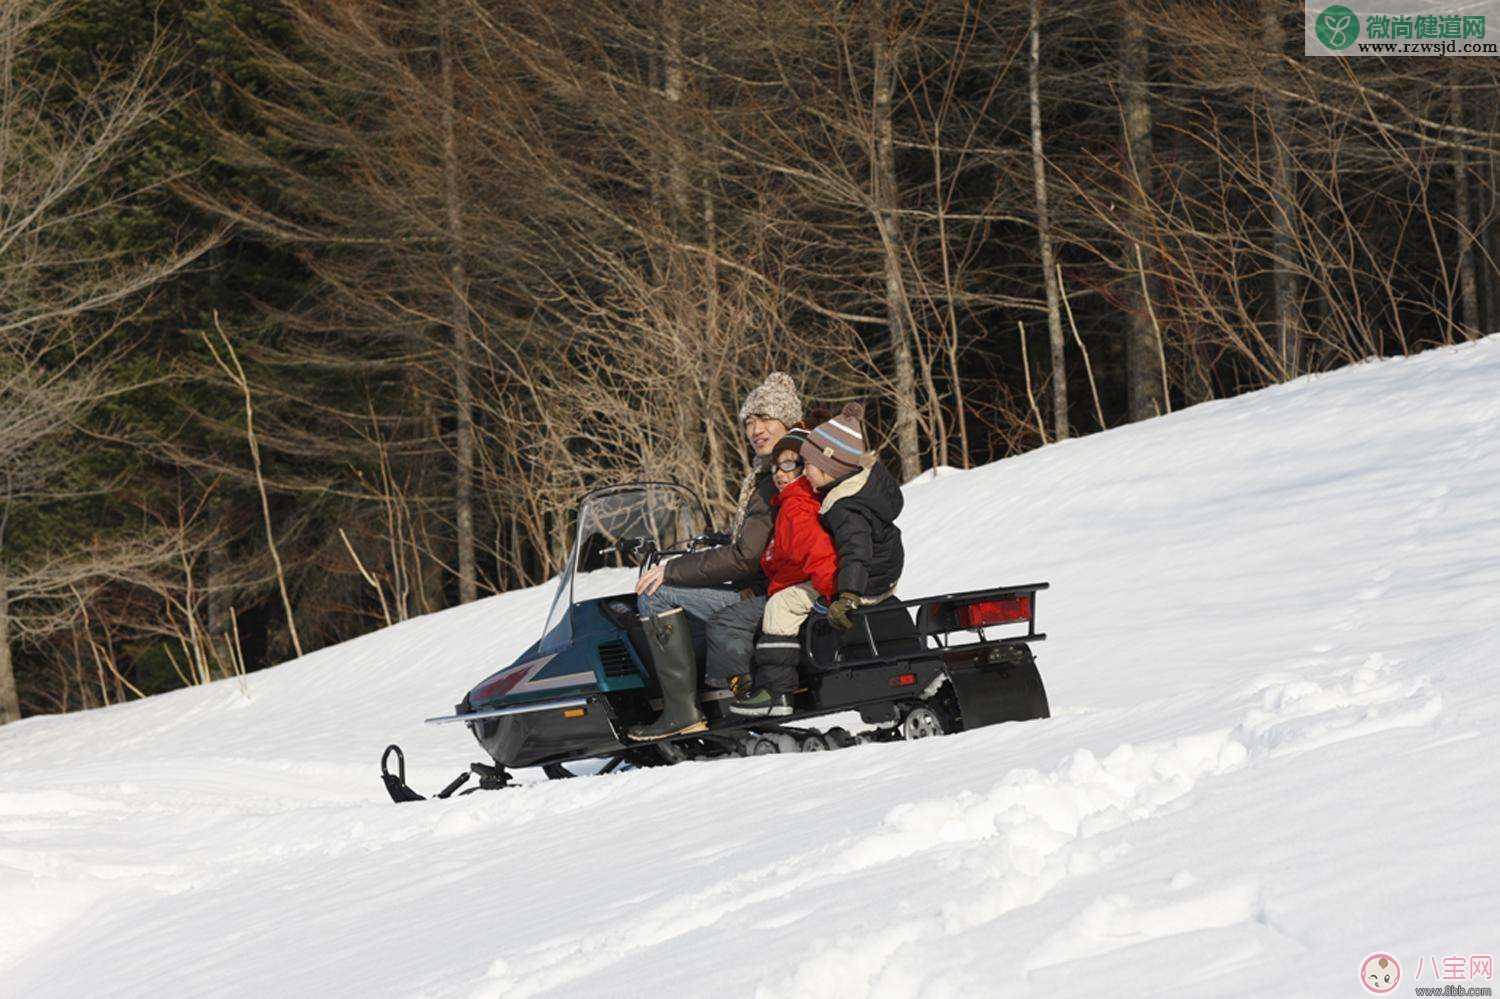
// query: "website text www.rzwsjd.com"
[[1413, 48], [1451, 990]]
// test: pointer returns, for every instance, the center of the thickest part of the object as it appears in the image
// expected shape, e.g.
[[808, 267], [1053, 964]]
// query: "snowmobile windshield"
[[663, 514]]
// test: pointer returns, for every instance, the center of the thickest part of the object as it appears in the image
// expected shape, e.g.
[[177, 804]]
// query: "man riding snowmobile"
[[679, 596]]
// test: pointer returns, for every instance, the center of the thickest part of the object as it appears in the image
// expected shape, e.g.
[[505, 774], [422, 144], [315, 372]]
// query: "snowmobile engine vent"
[[616, 660]]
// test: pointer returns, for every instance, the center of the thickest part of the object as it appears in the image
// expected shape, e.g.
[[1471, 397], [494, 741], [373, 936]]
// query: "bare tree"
[[1468, 285], [1143, 347], [458, 292], [1284, 263], [60, 305], [886, 194], [1044, 236]]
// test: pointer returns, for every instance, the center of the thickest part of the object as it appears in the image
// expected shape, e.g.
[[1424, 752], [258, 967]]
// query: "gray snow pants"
[[731, 640], [733, 649]]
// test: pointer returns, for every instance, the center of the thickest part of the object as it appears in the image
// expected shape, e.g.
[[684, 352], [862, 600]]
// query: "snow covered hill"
[[1273, 667]]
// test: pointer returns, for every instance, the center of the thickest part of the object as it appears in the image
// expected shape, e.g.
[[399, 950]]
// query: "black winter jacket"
[[737, 563], [860, 511]]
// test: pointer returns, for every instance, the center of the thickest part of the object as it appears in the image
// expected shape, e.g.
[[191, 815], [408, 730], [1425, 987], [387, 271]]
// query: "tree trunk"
[[463, 402], [883, 182], [1143, 377], [1484, 274], [1489, 234], [690, 322], [674, 82], [1284, 199], [10, 698], [718, 473], [1044, 237], [217, 562], [1490, 239], [1468, 286]]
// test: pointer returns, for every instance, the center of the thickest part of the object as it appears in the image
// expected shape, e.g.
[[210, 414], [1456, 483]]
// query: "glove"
[[838, 611]]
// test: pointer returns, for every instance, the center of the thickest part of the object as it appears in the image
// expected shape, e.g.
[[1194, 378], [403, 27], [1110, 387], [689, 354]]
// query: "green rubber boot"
[[671, 645]]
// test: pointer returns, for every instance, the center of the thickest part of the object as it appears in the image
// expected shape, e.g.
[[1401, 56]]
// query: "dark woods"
[[315, 316]]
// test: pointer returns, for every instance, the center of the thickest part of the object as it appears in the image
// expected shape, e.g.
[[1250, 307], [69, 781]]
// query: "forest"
[[318, 315]]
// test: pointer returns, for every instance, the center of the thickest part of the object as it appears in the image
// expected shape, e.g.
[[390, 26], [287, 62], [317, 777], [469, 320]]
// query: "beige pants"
[[787, 609]]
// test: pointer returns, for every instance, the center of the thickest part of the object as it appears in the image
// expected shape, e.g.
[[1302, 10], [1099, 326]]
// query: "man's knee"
[[736, 623], [661, 601], [701, 603]]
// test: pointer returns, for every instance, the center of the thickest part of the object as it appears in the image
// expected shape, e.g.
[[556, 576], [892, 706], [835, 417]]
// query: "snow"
[[1272, 665]]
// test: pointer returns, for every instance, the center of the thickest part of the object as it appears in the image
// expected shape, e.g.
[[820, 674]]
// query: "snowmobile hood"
[[545, 674]]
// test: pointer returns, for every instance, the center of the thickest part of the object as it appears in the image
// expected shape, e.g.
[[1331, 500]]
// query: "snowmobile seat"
[[890, 628]]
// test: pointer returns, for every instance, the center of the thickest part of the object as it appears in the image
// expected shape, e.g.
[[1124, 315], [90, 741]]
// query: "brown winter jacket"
[[738, 562]]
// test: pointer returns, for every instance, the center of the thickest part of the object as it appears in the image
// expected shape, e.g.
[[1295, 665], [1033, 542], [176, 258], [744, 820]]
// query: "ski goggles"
[[790, 465]]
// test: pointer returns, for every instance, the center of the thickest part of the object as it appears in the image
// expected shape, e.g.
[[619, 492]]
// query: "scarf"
[[747, 489]]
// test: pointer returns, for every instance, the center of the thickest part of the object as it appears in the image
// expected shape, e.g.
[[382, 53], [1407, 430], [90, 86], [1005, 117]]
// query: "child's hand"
[[838, 611]]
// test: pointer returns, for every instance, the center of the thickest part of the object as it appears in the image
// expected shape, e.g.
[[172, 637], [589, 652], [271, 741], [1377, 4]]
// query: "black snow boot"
[[776, 661], [671, 644], [761, 703]]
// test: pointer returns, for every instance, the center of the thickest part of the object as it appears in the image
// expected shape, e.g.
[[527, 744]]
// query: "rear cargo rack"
[[933, 630]]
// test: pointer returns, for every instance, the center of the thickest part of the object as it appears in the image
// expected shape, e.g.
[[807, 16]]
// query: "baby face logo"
[[1380, 973]]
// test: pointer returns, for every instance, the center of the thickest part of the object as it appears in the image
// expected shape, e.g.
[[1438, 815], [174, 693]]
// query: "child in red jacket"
[[799, 564]]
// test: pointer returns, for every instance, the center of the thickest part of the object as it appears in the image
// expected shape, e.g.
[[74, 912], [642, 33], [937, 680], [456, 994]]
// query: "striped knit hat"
[[793, 441], [837, 445]]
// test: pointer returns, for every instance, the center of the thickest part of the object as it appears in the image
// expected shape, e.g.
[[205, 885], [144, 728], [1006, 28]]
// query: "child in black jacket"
[[861, 502]]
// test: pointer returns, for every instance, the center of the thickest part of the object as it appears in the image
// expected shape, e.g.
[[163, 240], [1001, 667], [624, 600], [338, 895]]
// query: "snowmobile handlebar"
[[629, 548], [646, 547], [710, 539]]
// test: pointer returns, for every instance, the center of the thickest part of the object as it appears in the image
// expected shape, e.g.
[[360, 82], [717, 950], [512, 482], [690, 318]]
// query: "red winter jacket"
[[800, 550]]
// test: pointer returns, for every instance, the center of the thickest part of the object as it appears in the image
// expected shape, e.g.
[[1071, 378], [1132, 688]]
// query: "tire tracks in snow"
[[1023, 837], [1037, 827]]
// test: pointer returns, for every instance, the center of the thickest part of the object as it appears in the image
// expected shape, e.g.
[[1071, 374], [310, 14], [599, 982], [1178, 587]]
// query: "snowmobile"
[[963, 661]]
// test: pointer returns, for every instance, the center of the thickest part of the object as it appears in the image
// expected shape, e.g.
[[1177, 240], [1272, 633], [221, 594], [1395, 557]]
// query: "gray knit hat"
[[775, 397], [837, 445]]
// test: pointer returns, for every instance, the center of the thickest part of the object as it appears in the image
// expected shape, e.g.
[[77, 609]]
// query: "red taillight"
[[904, 680], [988, 612]]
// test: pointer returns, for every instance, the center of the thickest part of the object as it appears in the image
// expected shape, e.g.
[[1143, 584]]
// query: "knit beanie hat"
[[793, 441], [837, 445], [775, 397]]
